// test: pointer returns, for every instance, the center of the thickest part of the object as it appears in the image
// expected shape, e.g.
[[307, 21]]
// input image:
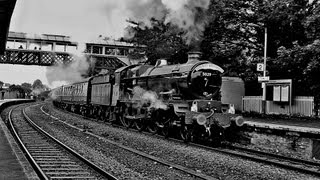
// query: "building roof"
[[114, 43], [6, 10], [42, 37]]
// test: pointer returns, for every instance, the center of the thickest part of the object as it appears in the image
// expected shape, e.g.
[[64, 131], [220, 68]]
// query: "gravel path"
[[214, 164]]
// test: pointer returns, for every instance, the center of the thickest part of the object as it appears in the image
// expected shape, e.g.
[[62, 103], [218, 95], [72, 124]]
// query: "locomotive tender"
[[182, 98]]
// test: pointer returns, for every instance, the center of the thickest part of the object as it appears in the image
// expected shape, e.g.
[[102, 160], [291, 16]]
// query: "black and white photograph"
[[159, 89]]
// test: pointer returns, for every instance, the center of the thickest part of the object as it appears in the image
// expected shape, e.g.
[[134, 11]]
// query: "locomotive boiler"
[[183, 99]]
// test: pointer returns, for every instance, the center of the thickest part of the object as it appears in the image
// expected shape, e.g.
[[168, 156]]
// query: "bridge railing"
[[34, 57], [48, 58]]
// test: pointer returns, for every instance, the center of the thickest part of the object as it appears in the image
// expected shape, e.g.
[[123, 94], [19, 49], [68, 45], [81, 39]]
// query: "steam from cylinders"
[[188, 15], [147, 98]]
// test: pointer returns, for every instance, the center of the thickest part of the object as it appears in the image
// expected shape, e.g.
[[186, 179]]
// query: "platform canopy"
[[6, 10]]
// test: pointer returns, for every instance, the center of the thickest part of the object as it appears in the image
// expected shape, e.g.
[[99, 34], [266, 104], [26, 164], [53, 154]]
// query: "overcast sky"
[[80, 19], [85, 20]]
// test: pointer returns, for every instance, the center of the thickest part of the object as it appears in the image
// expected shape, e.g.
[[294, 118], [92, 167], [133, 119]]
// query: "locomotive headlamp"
[[239, 121], [194, 107], [201, 119]]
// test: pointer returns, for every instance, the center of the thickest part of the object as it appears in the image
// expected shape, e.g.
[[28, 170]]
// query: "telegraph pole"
[[264, 100]]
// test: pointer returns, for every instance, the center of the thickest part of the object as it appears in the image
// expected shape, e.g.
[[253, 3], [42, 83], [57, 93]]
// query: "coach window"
[[35, 45], [20, 44], [77, 89], [88, 49], [97, 50], [10, 44], [71, 48], [108, 51], [60, 47], [123, 52], [46, 46]]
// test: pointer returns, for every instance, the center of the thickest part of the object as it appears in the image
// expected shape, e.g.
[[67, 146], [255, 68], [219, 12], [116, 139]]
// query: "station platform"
[[292, 125], [13, 164]]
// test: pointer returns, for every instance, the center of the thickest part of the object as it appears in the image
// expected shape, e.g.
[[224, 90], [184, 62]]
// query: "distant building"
[[6, 86], [5, 94]]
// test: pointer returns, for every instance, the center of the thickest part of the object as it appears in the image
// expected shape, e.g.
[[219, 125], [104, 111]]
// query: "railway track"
[[50, 158], [300, 165], [193, 173], [304, 166]]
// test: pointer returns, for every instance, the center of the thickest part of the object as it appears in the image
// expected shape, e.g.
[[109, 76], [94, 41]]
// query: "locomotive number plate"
[[206, 74]]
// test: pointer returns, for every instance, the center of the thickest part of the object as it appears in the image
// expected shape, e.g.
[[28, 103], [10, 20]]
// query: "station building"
[[118, 49]]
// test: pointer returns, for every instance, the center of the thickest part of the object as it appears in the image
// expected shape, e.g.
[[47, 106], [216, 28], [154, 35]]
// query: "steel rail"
[[258, 156], [32, 161], [74, 153], [303, 161], [143, 154]]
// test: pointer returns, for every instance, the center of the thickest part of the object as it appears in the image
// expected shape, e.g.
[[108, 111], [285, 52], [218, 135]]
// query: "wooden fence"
[[301, 105]]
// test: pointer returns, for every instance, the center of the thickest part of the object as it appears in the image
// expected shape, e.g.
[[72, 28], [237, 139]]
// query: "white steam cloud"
[[68, 73], [189, 15], [148, 98]]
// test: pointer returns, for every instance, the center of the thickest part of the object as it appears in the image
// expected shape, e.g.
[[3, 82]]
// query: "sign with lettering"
[[263, 78], [260, 67]]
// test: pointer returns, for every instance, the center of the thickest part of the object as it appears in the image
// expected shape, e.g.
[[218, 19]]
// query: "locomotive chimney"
[[194, 56]]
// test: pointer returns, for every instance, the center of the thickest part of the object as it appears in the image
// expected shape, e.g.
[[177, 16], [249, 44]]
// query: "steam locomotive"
[[183, 99]]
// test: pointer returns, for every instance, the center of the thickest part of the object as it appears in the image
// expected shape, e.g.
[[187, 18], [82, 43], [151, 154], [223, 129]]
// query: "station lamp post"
[[264, 100]]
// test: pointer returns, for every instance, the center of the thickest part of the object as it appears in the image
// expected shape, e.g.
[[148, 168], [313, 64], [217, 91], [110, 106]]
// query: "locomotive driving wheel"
[[139, 124], [105, 116], [100, 113], [124, 111], [83, 111], [185, 134], [112, 115], [152, 127], [163, 122], [166, 129]]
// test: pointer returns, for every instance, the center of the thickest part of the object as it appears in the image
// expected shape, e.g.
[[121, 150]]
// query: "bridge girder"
[[49, 58]]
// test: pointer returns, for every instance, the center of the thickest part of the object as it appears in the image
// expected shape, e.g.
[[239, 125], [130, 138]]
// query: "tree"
[[18, 89], [37, 84], [234, 39], [1, 84], [39, 89], [27, 87], [162, 40]]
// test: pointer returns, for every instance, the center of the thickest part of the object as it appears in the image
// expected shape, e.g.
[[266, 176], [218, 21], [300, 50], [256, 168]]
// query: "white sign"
[[263, 79], [285, 93], [276, 93], [260, 67]]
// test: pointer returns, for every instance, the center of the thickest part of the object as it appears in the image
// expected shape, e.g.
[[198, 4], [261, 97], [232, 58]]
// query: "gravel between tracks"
[[214, 164], [119, 162]]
